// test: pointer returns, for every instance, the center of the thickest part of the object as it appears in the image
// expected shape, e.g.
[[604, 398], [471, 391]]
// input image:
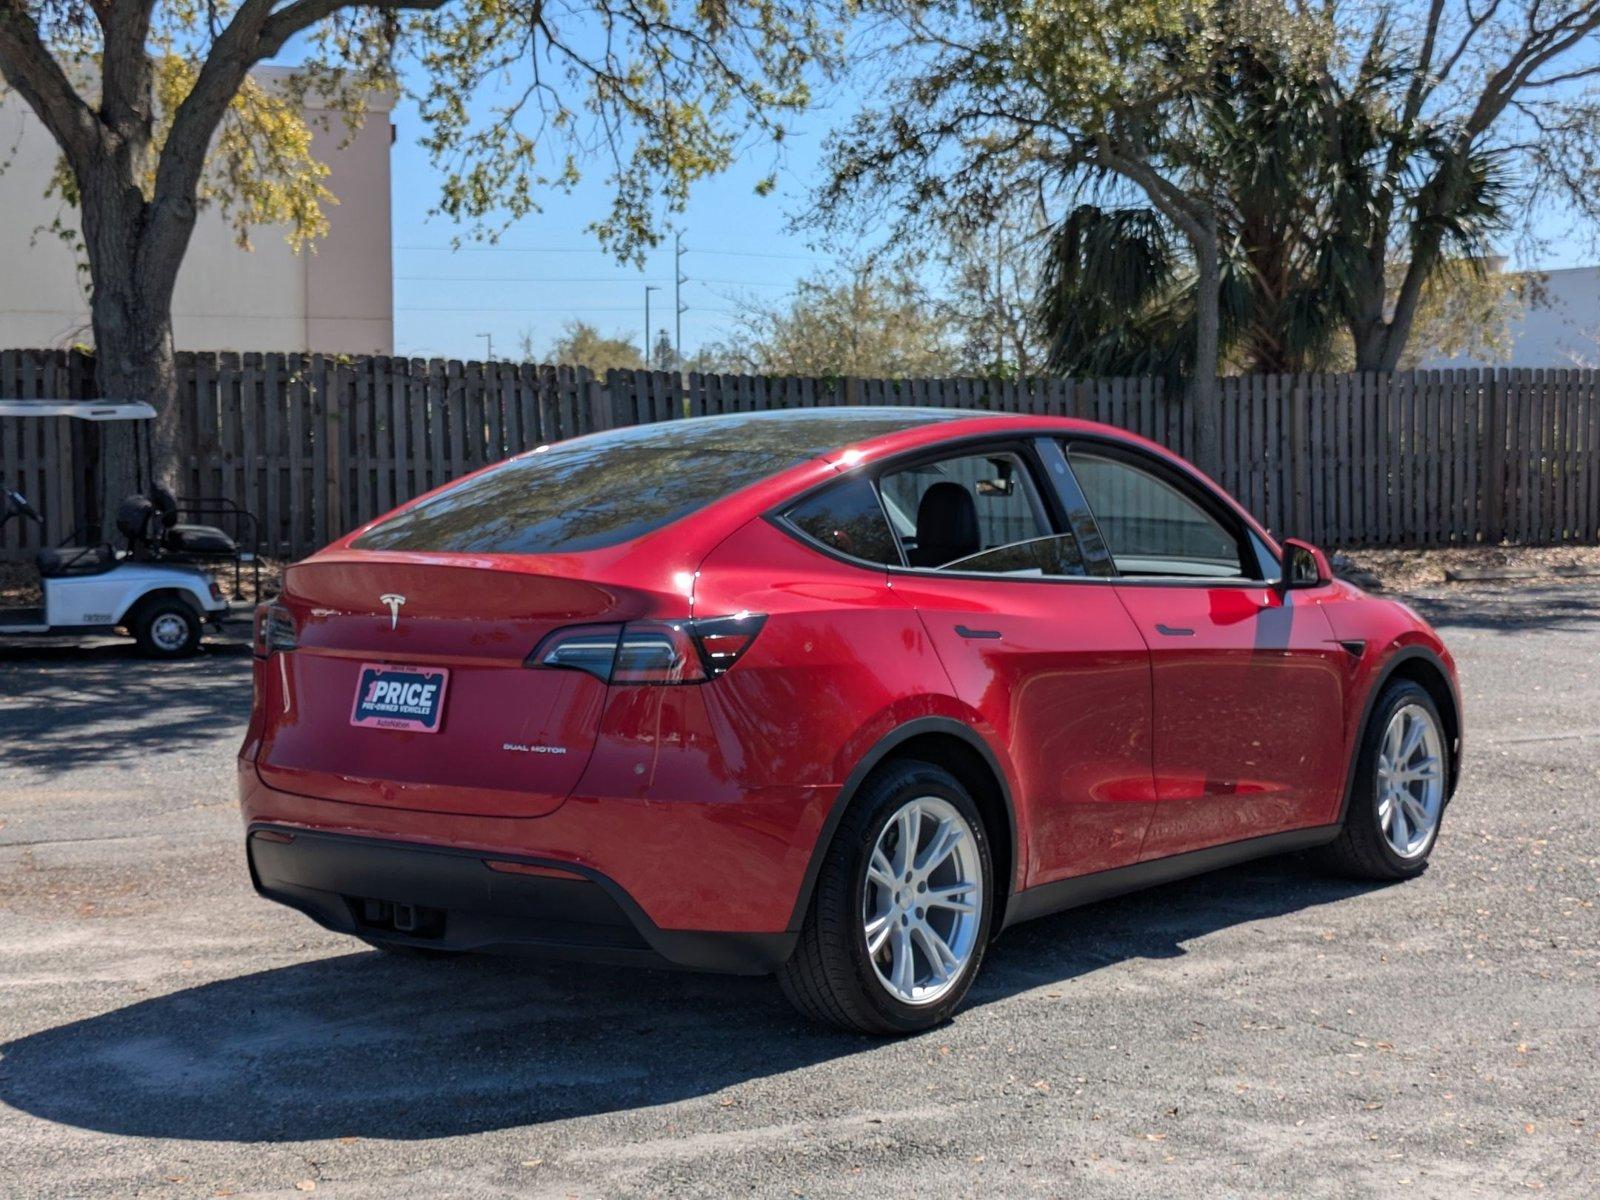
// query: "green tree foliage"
[[662, 355], [583, 345], [1470, 116], [1273, 160], [1122, 293], [1355, 207], [868, 321], [992, 101], [991, 278], [152, 105]]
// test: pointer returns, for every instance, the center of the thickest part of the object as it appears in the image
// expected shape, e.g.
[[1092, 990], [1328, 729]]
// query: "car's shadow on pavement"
[[369, 1046]]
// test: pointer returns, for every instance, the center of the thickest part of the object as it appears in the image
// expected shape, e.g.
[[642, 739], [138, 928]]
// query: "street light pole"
[[677, 297], [488, 346], [647, 290]]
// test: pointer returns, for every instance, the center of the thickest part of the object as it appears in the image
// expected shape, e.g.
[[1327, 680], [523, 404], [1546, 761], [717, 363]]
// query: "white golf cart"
[[158, 588]]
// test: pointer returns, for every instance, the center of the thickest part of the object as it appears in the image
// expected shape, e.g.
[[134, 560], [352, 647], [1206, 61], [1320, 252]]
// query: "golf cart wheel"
[[165, 628]]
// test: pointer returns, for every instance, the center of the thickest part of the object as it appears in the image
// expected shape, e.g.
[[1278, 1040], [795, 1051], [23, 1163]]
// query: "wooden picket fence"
[[315, 445]]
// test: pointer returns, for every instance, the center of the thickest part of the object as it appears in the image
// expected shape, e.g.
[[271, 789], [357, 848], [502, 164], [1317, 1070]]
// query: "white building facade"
[[335, 296], [1558, 327]]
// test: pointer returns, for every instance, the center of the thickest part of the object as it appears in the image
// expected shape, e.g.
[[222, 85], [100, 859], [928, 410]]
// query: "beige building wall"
[[336, 297]]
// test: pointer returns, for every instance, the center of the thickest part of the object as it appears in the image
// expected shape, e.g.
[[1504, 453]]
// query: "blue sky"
[[546, 268]]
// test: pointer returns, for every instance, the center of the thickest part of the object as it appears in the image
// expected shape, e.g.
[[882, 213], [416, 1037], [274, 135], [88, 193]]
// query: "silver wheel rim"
[[168, 631], [922, 902], [1410, 781]]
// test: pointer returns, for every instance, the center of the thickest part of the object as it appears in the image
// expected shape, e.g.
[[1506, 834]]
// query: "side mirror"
[[1304, 566]]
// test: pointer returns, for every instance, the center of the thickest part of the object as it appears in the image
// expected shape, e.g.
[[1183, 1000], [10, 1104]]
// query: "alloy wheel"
[[1410, 783], [922, 902]]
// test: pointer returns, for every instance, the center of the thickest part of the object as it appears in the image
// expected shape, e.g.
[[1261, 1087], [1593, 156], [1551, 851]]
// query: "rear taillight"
[[657, 652], [274, 630], [687, 651]]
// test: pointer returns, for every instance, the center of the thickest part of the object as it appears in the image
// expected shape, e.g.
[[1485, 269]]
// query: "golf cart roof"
[[83, 410]]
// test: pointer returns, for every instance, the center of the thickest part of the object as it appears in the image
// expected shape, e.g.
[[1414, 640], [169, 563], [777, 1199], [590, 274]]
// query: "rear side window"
[[574, 496], [847, 518]]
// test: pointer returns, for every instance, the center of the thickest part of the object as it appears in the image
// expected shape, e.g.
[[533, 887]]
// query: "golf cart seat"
[[75, 560], [199, 540], [192, 541]]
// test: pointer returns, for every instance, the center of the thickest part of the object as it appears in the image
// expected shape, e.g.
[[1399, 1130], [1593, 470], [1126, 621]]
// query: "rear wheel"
[[1398, 796], [165, 628], [900, 916]]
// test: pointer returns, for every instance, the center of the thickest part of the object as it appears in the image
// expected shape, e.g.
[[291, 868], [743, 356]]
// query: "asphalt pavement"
[[1260, 1031]]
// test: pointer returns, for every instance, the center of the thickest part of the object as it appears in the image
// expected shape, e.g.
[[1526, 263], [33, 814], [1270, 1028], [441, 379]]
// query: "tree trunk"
[[130, 311], [1201, 400], [134, 361]]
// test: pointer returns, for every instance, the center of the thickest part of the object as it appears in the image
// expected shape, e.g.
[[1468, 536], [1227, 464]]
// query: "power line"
[[516, 309], [505, 249], [629, 280], [770, 254], [512, 309], [766, 283], [598, 250]]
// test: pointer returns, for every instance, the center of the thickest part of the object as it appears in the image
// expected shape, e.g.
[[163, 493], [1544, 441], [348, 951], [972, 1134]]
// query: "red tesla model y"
[[833, 693]]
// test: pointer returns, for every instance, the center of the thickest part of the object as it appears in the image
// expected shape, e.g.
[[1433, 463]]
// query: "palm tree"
[[1294, 155]]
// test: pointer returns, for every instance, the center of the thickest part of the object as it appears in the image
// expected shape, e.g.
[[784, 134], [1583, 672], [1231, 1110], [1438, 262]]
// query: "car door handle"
[[977, 633], [1173, 630]]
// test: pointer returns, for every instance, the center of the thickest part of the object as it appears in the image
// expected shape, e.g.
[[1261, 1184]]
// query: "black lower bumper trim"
[[447, 899]]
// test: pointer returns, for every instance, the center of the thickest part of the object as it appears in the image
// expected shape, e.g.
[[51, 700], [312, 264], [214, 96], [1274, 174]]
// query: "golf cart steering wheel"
[[17, 506]]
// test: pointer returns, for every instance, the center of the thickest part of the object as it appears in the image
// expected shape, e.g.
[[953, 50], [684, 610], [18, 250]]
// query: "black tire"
[[830, 978], [1361, 851], [152, 626]]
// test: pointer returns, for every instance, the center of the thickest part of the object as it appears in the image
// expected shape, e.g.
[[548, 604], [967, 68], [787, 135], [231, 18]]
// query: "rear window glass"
[[848, 518], [599, 491]]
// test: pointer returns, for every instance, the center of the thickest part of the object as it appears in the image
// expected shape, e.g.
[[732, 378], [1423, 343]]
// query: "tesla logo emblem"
[[394, 601]]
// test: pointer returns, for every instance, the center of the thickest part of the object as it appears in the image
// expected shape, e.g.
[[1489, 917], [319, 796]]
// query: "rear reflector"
[[272, 835], [651, 652], [517, 868]]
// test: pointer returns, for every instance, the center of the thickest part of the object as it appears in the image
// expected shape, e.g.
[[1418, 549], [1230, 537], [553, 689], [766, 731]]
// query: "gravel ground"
[[1259, 1031]]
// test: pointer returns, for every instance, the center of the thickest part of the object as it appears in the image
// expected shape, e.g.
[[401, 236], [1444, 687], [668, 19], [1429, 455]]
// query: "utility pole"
[[488, 346], [678, 280], [648, 288]]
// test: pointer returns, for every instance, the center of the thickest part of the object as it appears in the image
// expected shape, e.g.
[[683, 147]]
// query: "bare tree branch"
[[30, 68]]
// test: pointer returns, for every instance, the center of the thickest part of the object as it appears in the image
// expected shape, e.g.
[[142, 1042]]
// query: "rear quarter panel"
[[840, 663]]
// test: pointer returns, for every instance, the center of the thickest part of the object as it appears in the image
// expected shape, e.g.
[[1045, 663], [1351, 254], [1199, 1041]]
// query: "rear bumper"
[[451, 899], [718, 858]]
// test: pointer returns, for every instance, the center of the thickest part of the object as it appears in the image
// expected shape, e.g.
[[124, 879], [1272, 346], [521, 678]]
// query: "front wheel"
[[165, 628], [900, 917], [1398, 795]]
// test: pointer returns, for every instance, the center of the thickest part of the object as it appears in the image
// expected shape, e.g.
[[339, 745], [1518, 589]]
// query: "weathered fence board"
[[316, 445]]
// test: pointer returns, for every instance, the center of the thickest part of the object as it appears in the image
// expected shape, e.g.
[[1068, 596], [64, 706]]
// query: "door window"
[[976, 513], [1151, 526]]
